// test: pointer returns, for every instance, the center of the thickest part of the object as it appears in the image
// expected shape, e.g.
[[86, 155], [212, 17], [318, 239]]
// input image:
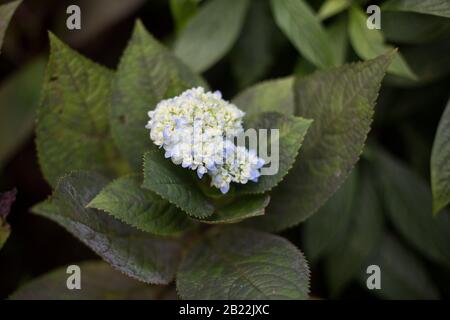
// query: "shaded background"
[[406, 122]]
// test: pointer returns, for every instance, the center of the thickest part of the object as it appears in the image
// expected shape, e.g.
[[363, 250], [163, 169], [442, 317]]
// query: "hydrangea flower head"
[[196, 130]]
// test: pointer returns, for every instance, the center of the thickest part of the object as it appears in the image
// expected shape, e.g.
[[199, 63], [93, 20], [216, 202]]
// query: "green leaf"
[[440, 163], [337, 32], [259, 34], [211, 33], [239, 209], [414, 28], [135, 253], [370, 43], [6, 12], [273, 95], [45, 208], [404, 277], [147, 73], [98, 282], [72, 126], [332, 7], [363, 233], [19, 98], [299, 23], [182, 11], [125, 200], [175, 184], [292, 131], [330, 225], [341, 104], [243, 264], [408, 205], [433, 7]]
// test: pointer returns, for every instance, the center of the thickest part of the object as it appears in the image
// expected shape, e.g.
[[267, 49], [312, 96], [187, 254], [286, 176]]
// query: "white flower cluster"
[[196, 130]]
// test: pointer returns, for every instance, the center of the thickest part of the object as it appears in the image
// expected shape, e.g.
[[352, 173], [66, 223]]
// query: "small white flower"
[[195, 129]]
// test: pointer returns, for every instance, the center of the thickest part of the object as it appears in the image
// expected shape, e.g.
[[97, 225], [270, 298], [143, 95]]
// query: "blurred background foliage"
[[381, 215]]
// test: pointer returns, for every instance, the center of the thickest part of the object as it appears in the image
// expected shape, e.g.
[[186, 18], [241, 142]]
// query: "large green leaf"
[[299, 23], [211, 33], [328, 228], [440, 163], [363, 233], [98, 282], [125, 200], [175, 184], [341, 104], [403, 276], [243, 264], [370, 43], [72, 126], [292, 131], [434, 7], [408, 203], [273, 95], [138, 254], [19, 98], [6, 12], [147, 73]]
